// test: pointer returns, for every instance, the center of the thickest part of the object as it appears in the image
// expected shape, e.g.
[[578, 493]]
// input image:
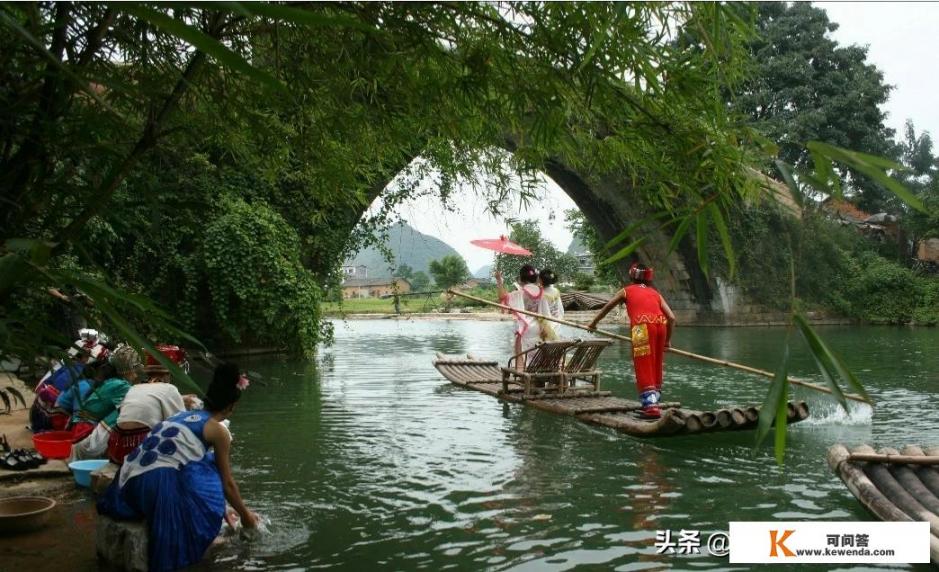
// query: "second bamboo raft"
[[893, 485], [602, 408]]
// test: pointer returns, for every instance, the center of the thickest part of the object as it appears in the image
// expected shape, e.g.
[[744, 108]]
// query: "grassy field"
[[409, 304], [382, 306]]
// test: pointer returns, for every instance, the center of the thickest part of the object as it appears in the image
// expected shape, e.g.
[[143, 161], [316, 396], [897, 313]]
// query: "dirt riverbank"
[[67, 542]]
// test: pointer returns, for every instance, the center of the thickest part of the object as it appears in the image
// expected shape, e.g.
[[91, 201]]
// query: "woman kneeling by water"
[[177, 484]]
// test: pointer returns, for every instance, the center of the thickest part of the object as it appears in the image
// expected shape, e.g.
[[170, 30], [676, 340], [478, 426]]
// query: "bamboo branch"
[[673, 350]]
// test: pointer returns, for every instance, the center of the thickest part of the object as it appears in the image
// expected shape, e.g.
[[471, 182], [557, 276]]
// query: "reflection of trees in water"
[[571, 475], [449, 343]]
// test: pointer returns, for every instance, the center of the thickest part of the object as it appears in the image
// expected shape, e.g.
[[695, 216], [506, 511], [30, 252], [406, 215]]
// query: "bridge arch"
[[608, 206]]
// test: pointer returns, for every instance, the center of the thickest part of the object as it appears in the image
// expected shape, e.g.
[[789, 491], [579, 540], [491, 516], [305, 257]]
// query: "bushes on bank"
[[836, 269]]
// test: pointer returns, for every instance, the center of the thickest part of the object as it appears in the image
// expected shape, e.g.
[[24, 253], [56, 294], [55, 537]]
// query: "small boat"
[[893, 485], [596, 407]]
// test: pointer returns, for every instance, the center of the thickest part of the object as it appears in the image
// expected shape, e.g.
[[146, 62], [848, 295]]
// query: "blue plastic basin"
[[82, 470]]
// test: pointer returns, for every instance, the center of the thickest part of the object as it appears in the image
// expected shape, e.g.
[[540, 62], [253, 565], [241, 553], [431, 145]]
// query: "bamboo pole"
[[890, 458], [699, 357]]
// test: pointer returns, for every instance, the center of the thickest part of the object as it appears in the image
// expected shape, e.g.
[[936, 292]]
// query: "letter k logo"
[[774, 543]]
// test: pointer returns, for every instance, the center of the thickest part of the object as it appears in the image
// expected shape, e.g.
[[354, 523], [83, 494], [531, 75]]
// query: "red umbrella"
[[501, 244]]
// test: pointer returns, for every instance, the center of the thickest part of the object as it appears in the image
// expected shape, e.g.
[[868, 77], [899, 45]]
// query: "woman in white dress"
[[528, 296], [552, 296]]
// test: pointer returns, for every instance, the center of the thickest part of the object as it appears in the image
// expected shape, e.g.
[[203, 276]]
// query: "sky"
[[902, 42]]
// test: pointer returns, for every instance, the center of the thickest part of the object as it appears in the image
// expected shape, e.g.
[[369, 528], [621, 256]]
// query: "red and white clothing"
[[648, 329], [530, 298]]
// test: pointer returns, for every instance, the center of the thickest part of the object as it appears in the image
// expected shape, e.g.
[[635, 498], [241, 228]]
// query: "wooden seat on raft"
[[543, 367], [581, 365], [556, 366]]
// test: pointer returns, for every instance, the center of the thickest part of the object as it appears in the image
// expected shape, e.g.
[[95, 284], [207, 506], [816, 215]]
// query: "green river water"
[[371, 460], [368, 459]]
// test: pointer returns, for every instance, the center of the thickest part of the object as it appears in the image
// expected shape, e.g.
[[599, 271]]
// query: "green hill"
[[408, 246]]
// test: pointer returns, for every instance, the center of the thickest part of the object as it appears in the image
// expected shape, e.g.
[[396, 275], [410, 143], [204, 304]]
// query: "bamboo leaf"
[[782, 420], [81, 84], [298, 16], [202, 41], [835, 363], [825, 172], [724, 235], [680, 233], [873, 167], [100, 292], [794, 189], [630, 230], [701, 240], [770, 408], [623, 252], [141, 342], [822, 356], [19, 396]]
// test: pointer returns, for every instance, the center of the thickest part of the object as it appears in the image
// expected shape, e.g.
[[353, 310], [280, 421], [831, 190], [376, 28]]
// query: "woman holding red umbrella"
[[529, 296]]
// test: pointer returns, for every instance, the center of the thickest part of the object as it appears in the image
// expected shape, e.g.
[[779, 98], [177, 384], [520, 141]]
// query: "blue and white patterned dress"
[[172, 481]]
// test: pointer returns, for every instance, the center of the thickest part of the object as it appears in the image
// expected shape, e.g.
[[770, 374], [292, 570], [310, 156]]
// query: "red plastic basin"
[[53, 444]]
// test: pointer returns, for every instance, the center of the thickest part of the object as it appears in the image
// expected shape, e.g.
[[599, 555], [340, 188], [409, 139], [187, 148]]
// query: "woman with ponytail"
[[179, 478], [528, 296]]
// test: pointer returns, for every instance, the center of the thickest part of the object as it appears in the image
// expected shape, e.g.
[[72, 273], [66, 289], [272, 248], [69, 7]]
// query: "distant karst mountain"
[[408, 246]]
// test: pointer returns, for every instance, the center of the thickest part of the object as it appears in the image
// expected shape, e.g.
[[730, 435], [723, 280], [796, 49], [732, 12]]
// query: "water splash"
[[828, 413]]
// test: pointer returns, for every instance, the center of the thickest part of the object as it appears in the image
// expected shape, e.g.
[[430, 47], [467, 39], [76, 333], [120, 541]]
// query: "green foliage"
[[420, 281], [583, 282], [139, 152], [837, 269], [543, 254], [449, 271], [883, 292], [587, 235], [804, 87], [404, 271], [922, 178], [927, 307], [269, 295]]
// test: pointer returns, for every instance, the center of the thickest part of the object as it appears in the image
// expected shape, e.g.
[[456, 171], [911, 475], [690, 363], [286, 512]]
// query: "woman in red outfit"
[[650, 325]]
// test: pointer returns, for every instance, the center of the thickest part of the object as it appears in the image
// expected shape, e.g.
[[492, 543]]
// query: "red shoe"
[[651, 412]]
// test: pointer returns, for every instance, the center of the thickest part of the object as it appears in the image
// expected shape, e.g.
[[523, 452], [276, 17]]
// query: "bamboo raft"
[[893, 485], [601, 408], [581, 301]]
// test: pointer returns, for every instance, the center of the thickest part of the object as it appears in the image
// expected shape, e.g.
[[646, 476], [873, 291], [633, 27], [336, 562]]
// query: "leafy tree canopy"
[[404, 271], [420, 281], [805, 87], [449, 271], [543, 254], [129, 131]]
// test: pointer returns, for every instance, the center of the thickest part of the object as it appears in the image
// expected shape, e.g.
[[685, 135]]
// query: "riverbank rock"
[[122, 544]]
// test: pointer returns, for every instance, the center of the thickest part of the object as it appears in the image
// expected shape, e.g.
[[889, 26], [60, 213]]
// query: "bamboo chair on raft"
[[544, 367], [582, 363], [550, 368]]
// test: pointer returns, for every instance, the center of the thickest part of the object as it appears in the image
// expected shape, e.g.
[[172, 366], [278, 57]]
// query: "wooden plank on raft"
[[601, 407]]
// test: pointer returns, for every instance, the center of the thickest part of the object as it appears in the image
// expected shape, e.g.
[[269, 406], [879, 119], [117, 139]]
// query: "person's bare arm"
[[671, 321], [503, 294], [219, 437], [618, 299]]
